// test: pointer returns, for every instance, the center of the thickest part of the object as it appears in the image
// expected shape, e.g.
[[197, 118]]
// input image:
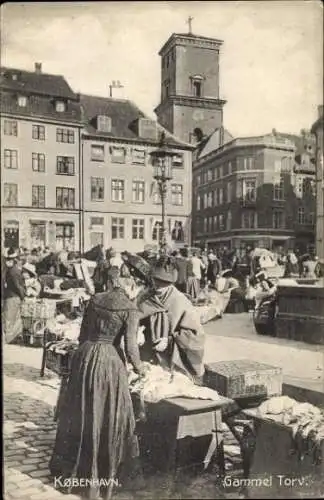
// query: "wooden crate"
[[301, 314], [276, 459], [244, 379]]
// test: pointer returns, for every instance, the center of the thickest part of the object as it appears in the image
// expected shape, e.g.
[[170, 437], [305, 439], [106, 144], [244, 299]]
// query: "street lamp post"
[[162, 165]]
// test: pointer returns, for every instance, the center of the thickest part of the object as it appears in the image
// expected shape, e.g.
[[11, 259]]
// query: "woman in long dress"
[[96, 425], [14, 293]]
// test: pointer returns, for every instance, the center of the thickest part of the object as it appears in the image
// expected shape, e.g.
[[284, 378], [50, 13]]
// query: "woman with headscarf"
[[96, 424], [14, 293]]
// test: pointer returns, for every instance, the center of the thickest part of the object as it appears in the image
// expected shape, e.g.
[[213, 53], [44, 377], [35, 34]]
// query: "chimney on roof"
[[38, 68]]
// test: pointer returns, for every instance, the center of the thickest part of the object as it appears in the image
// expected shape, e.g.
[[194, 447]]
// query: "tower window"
[[197, 85], [197, 88]]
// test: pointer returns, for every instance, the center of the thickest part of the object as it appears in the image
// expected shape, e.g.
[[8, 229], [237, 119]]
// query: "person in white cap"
[[32, 285], [115, 259], [14, 292]]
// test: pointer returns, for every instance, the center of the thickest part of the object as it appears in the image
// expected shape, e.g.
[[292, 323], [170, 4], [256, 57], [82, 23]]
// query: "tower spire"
[[189, 22]]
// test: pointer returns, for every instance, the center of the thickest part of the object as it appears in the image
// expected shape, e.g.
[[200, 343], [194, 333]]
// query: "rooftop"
[[123, 113], [221, 141], [35, 82], [190, 37]]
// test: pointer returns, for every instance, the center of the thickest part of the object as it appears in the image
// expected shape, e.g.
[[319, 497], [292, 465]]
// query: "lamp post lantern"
[[162, 173]]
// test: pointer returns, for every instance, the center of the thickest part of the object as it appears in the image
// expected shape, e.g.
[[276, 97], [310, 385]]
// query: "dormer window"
[[60, 106], [22, 101], [14, 76], [103, 123], [146, 129]]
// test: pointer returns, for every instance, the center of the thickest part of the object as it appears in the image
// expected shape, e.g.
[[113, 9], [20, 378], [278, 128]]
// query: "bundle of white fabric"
[[159, 383], [304, 418], [62, 327], [216, 305]]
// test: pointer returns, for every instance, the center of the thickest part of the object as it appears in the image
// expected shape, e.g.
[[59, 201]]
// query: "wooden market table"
[[181, 432], [277, 457]]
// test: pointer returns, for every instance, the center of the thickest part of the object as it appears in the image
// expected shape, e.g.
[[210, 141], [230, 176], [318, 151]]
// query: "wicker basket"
[[244, 379], [58, 359], [42, 309], [35, 316]]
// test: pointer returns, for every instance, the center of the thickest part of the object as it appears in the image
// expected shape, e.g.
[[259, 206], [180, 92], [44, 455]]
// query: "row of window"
[[38, 132], [118, 229], [117, 155], [65, 197], [138, 229], [249, 220], [221, 171], [139, 156], [138, 191], [245, 189], [237, 165], [64, 164], [59, 106]]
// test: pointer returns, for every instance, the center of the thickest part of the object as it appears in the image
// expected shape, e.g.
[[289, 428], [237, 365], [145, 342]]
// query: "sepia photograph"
[[162, 249]]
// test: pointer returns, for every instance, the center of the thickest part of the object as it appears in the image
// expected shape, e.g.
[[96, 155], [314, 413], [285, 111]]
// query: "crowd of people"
[[142, 309], [26, 273]]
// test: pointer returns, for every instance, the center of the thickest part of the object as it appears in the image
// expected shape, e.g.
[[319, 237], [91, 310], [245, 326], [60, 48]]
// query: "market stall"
[[59, 296], [289, 450]]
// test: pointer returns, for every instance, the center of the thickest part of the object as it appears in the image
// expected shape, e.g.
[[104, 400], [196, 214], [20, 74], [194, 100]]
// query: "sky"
[[271, 66]]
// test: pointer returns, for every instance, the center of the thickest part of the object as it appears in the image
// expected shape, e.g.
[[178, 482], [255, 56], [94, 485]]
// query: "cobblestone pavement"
[[29, 433]]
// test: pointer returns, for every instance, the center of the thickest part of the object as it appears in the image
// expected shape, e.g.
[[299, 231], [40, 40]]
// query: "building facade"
[[40, 160], [244, 194], [190, 106], [318, 131], [121, 203], [304, 185]]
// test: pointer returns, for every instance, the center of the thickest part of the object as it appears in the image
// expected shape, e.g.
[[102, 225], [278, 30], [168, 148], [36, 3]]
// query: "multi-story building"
[[244, 194], [121, 203], [190, 106], [303, 182], [40, 160], [318, 131]]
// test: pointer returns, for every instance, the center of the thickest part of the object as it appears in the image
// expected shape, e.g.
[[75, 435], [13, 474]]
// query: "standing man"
[[182, 267], [214, 268], [197, 268]]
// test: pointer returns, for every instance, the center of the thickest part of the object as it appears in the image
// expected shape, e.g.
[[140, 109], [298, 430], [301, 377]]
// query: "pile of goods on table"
[[211, 304], [160, 383], [41, 319], [305, 420]]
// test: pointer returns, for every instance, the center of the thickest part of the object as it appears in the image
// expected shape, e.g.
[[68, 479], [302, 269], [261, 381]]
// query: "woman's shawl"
[[178, 315]]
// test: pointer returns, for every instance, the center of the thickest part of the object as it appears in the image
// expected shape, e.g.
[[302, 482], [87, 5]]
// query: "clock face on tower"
[[198, 115]]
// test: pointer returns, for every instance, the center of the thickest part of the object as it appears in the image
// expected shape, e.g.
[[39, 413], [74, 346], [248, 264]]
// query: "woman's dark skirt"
[[237, 303], [96, 425]]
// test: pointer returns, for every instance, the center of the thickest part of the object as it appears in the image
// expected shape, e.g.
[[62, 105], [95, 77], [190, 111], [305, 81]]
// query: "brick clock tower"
[[190, 106]]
